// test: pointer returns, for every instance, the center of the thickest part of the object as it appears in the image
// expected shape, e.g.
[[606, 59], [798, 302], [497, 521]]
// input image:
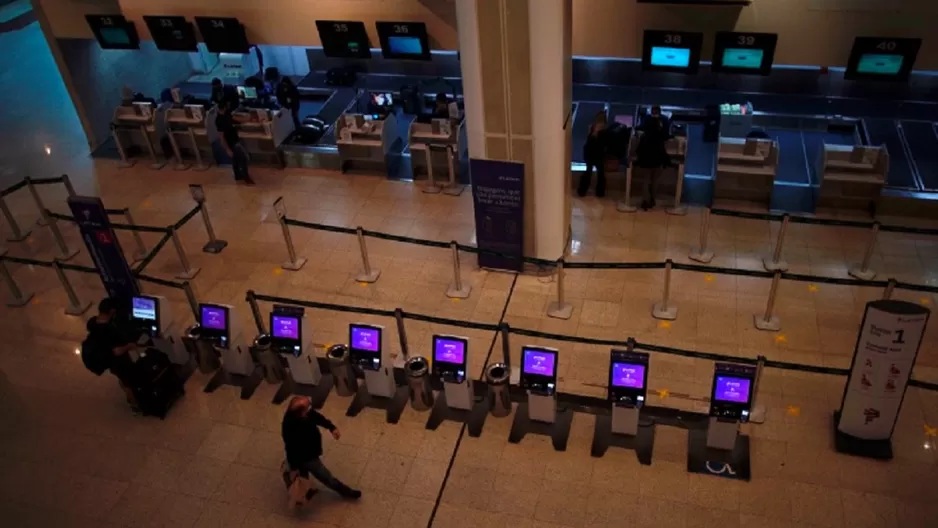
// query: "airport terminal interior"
[[754, 350]]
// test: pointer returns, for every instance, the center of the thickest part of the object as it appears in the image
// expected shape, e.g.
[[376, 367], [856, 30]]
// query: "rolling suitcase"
[[158, 386]]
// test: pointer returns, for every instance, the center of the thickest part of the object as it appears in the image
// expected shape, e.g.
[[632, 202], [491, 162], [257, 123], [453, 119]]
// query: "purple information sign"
[[286, 327], [365, 338], [449, 351], [214, 317], [628, 375], [539, 362], [144, 308], [731, 389]]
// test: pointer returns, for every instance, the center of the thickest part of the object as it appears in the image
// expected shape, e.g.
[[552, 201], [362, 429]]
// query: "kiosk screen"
[[223, 34], [731, 389], [404, 40], [247, 92], [365, 346], [286, 333], [749, 59], [880, 64], [344, 40], [213, 317], [143, 308], [114, 32], [628, 375], [670, 57], [449, 350], [731, 394], [540, 362]]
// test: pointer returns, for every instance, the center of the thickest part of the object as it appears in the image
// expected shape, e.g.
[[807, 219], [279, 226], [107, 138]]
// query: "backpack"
[[95, 357]]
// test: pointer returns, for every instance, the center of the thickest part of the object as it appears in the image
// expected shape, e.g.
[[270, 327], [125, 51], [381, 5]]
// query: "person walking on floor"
[[594, 153], [652, 153], [231, 141], [303, 444]]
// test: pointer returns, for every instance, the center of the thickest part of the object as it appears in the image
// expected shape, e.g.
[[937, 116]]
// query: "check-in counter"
[[369, 142], [666, 185], [262, 131], [851, 176], [746, 169], [188, 132], [136, 128], [435, 151]]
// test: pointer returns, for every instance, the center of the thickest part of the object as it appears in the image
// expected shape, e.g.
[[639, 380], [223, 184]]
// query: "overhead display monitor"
[[114, 32], [172, 33], [223, 34], [344, 40], [746, 53], [365, 346], [671, 51], [404, 40], [882, 59]]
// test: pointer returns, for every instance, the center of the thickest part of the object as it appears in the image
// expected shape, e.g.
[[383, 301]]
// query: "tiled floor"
[[71, 454]]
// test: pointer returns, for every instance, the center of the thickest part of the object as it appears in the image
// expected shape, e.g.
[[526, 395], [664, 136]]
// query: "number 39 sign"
[[885, 353]]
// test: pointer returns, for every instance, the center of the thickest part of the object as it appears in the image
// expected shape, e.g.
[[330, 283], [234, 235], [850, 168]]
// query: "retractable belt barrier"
[[777, 217]]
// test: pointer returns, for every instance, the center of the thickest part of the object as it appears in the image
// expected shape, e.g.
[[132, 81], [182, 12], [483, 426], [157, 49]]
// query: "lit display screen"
[[286, 327], [670, 57], [539, 362], [880, 64], [750, 59], [449, 350], [214, 318], [143, 308], [628, 375], [405, 45], [365, 338], [732, 389]]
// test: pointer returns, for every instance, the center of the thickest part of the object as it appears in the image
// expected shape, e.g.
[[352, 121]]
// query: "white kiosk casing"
[[219, 325], [286, 331], [628, 380], [539, 379], [366, 350], [450, 358], [730, 403], [152, 314]]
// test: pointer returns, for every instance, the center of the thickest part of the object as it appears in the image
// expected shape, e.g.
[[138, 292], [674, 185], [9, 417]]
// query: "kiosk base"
[[248, 384], [732, 464], [559, 431], [317, 393], [851, 445], [474, 418], [394, 405], [643, 442]]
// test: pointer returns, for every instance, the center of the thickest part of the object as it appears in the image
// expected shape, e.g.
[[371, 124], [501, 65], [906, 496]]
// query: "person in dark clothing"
[[652, 153], [594, 153], [105, 332], [289, 97], [228, 132], [303, 444], [441, 108], [218, 91]]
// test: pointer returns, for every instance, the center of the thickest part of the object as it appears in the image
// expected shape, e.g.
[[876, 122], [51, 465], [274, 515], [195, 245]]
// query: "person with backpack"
[[109, 347]]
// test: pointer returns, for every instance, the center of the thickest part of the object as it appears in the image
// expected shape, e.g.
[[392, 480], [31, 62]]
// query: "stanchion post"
[[757, 415], [505, 331], [65, 254], [703, 254], [890, 287], [457, 290], [190, 298], [560, 309], [256, 312], [75, 306], [43, 218], [18, 235], [678, 209], [863, 271], [19, 298], [368, 274], [67, 182], [214, 245], [401, 332], [294, 264], [188, 273], [431, 187], [141, 252], [777, 263], [768, 321], [625, 204], [665, 310]]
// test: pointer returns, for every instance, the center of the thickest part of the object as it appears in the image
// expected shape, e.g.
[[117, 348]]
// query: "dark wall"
[[98, 76]]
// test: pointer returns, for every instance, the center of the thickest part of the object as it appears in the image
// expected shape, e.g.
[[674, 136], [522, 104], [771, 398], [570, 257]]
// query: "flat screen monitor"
[[344, 39], [223, 34], [880, 64], [365, 345], [114, 32], [668, 57], [628, 375], [732, 389], [404, 40], [742, 58], [539, 361], [882, 59], [382, 99], [448, 349], [671, 51], [286, 333], [172, 33], [213, 319], [247, 92], [144, 308], [744, 53]]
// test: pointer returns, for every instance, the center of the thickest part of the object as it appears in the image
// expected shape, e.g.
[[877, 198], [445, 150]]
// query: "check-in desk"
[[746, 169], [136, 128], [369, 142], [435, 151], [187, 130], [851, 176], [262, 131], [666, 185]]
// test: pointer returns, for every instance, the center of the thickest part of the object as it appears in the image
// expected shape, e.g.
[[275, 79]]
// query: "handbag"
[[299, 488]]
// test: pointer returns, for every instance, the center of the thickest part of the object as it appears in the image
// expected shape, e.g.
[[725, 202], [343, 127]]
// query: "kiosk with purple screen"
[[303, 373], [366, 352], [539, 414], [151, 318], [627, 390], [286, 333], [539, 370], [218, 326], [457, 400]]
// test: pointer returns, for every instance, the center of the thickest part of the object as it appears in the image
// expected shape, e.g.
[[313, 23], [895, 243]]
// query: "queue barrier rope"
[[182, 221], [115, 225], [152, 254], [13, 188], [798, 219]]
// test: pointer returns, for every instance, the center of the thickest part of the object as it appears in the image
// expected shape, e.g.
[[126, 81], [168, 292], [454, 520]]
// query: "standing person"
[[594, 153], [112, 347], [231, 142], [303, 444], [652, 153], [289, 97]]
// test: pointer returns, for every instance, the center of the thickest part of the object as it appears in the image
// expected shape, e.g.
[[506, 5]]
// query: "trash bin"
[[264, 355], [202, 350], [346, 384], [418, 381], [497, 376]]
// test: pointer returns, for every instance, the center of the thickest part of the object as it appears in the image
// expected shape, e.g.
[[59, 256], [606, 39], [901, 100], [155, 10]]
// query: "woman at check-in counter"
[[652, 153], [289, 97], [594, 153]]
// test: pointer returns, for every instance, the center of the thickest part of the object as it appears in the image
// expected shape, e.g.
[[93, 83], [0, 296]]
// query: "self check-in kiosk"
[[367, 353], [721, 446], [289, 341], [150, 316], [627, 391], [539, 413], [457, 401], [237, 367]]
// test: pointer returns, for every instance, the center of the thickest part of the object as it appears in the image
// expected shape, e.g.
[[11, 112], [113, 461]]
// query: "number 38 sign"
[[885, 353]]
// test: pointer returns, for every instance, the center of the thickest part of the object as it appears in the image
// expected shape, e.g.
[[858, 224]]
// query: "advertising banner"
[[889, 339], [103, 246], [498, 197]]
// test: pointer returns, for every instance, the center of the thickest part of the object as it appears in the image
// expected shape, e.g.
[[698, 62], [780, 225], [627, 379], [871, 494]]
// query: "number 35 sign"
[[889, 339]]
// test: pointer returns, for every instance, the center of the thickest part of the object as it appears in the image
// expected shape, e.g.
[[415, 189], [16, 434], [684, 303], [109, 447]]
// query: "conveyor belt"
[[884, 132], [923, 144], [791, 162]]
